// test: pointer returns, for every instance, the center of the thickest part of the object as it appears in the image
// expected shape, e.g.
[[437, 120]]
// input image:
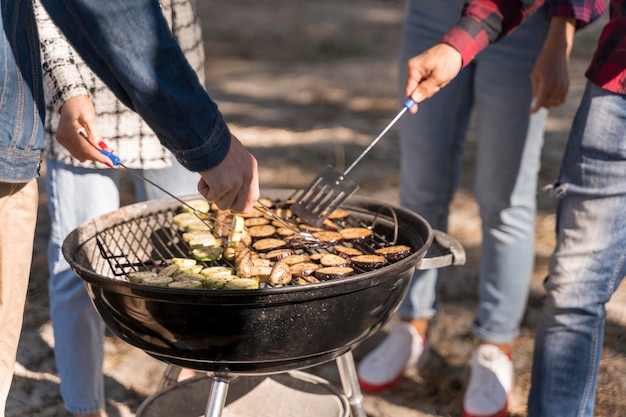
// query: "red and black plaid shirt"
[[608, 65], [486, 21]]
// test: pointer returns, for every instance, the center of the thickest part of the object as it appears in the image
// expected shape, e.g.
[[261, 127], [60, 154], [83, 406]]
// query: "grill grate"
[[151, 240]]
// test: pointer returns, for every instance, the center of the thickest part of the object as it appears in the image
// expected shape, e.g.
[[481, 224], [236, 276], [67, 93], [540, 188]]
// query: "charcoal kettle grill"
[[232, 333]]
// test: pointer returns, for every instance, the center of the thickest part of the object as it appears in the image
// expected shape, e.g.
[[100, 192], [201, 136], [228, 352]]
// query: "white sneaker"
[[490, 383], [385, 366]]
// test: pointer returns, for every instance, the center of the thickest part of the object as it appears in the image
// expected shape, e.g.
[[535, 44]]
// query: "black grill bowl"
[[256, 331]]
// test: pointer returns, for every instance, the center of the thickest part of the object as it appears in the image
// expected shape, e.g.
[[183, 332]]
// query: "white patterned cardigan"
[[66, 76]]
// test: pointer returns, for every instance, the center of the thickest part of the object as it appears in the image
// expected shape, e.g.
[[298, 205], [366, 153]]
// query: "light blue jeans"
[[76, 195], [496, 90], [589, 261]]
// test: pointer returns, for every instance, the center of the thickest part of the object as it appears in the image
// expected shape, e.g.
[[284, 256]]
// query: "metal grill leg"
[[217, 399], [170, 377], [350, 384]]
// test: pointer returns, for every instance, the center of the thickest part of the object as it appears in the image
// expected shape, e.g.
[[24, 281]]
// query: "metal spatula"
[[330, 189]]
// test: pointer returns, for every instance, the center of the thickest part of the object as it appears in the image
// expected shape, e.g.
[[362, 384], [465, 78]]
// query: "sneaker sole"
[[501, 413], [376, 389]]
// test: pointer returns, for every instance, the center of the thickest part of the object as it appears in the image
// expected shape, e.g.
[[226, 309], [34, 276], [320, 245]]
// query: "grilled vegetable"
[[278, 254], [356, 234], [236, 230], [394, 253], [182, 220], [262, 231], [268, 244], [217, 281], [208, 254], [217, 270], [169, 271], [139, 276], [241, 284], [368, 262], [280, 274], [198, 204], [333, 272], [303, 269], [189, 277], [184, 262], [328, 237], [194, 269], [157, 281], [346, 252], [187, 285], [333, 260]]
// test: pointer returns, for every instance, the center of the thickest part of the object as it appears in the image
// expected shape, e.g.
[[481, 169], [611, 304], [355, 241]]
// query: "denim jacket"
[[129, 45], [21, 93]]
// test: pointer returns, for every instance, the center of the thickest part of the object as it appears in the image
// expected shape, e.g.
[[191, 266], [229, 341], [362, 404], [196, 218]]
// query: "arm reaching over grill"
[[131, 48]]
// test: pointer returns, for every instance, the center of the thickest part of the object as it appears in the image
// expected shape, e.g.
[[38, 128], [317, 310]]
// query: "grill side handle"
[[451, 250]]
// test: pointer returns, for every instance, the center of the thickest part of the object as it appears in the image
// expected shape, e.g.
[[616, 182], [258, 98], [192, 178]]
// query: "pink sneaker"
[[385, 366], [490, 383]]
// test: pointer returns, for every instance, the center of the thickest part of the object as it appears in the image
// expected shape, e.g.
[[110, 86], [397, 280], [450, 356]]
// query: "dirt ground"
[[309, 83]]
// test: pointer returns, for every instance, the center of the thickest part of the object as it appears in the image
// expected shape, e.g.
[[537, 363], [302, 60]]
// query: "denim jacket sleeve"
[[129, 45]]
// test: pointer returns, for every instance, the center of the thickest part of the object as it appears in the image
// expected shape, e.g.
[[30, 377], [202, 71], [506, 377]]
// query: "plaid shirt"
[[486, 21], [608, 65], [66, 75]]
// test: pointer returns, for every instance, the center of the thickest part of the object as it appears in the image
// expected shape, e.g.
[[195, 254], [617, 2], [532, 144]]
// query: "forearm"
[[485, 22], [149, 74]]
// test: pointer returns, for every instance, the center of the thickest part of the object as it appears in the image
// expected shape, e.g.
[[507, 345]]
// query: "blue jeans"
[[588, 263], [496, 89], [76, 195]]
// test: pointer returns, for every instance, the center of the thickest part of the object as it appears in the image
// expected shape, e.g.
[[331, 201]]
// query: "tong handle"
[[115, 160]]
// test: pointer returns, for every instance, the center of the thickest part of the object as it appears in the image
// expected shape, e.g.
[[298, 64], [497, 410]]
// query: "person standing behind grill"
[[497, 84], [79, 191], [587, 265]]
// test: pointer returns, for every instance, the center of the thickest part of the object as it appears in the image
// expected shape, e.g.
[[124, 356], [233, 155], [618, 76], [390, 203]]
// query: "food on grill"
[[241, 284], [168, 271], [186, 284], [347, 252], [183, 219], [139, 276], [268, 244], [369, 262], [211, 253], [394, 253], [328, 237], [217, 281], [198, 204], [201, 239], [296, 259], [184, 262], [217, 270], [278, 254], [333, 260], [333, 272], [158, 281], [356, 234], [265, 230], [339, 214], [280, 274], [260, 249], [256, 221], [304, 269], [236, 231]]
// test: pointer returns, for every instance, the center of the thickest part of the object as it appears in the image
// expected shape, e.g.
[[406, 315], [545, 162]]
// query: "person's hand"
[[550, 76], [234, 183], [430, 71], [78, 113]]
